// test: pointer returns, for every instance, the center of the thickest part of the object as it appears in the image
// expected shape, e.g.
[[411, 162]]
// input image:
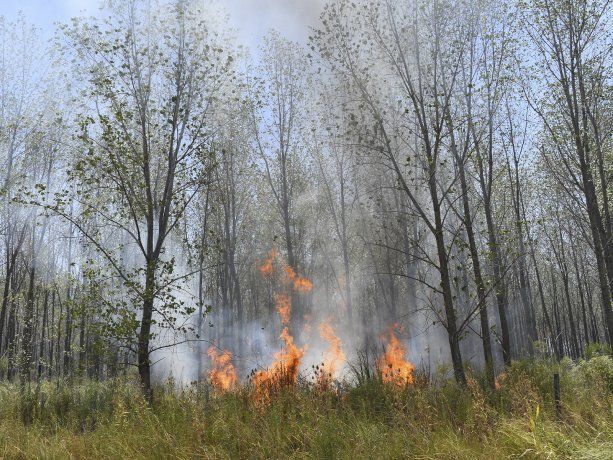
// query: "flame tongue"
[[284, 369], [284, 307], [334, 357], [286, 365], [299, 283], [222, 374], [267, 266], [392, 365]]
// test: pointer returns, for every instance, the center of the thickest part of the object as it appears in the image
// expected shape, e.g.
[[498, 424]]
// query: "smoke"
[[254, 18], [180, 354]]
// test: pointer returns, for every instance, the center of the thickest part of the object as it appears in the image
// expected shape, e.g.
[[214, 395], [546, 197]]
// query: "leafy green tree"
[[151, 80]]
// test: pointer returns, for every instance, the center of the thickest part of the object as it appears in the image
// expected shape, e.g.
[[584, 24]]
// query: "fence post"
[[556, 394]]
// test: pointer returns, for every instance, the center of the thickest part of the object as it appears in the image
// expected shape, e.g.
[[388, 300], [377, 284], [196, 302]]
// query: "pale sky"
[[251, 18]]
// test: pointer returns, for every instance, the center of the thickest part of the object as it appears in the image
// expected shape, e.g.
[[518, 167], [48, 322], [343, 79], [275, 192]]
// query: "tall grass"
[[433, 418]]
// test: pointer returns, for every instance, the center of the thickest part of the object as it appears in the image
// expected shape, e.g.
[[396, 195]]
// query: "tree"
[[278, 114], [150, 85], [573, 42], [410, 41]]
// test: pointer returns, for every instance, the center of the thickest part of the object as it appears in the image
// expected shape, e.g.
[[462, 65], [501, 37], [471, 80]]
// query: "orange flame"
[[286, 365], [300, 284], [222, 375], [267, 266], [334, 357], [392, 365], [283, 372], [283, 304]]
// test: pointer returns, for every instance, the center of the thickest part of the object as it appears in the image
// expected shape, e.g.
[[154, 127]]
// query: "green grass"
[[430, 419]]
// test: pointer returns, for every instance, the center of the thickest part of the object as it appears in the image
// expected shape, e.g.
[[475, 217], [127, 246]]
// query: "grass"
[[433, 418]]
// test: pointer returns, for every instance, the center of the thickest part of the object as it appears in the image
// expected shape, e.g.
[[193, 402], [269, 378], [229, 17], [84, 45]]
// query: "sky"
[[251, 18]]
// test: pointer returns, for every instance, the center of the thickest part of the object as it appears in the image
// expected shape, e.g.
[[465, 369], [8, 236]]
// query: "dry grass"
[[429, 419]]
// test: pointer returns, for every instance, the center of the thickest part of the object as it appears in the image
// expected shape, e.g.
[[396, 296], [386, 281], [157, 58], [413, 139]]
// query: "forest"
[[391, 240]]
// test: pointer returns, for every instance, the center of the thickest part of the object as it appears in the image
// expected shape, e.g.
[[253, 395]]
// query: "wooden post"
[[556, 394]]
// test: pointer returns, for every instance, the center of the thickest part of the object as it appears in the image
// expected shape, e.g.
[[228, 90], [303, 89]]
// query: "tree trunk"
[[27, 335], [474, 255], [43, 337], [452, 331], [144, 336]]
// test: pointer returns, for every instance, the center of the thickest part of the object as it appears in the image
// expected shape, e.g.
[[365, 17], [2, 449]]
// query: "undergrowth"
[[432, 418]]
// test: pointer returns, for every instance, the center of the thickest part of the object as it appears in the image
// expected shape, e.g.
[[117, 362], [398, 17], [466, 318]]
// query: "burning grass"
[[392, 365], [433, 419], [222, 374], [385, 408], [334, 357], [283, 372]]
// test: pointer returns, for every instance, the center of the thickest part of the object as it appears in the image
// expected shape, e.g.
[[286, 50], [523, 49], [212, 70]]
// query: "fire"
[[303, 285], [284, 370], [392, 365], [283, 304], [222, 374], [300, 284], [267, 266], [297, 283], [334, 357]]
